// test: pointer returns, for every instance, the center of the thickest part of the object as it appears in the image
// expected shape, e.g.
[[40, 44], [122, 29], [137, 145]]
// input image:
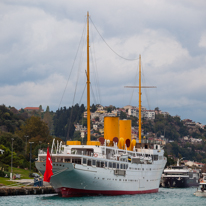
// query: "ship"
[[201, 190], [113, 165], [180, 176]]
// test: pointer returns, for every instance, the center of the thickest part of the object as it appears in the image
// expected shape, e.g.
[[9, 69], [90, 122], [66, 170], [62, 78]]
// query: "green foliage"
[[134, 120], [123, 115], [18, 144], [93, 108], [6, 157], [170, 160], [33, 127], [109, 109], [10, 121], [97, 119], [64, 120], [77, 135]]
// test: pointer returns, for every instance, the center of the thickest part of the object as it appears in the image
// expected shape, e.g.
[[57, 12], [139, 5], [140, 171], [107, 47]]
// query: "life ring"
[[95, 155]]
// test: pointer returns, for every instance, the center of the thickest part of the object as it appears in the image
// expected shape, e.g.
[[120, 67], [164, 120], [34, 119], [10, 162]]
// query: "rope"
[[110, 46], [135, 80], [93, 58], [72, 66]]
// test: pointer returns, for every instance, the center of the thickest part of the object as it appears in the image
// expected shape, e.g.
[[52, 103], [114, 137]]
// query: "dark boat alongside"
[[180, 177]]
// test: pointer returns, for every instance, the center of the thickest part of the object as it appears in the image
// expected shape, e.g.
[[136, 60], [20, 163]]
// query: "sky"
[[43, 54]]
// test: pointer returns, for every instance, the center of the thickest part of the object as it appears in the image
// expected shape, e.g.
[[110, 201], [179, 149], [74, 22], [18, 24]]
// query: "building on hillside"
[[148, 114], [95, 126], [186, 138], [193, 164], [99, 107], [31, 109], [193, 140], [101, 129], [200, 125], [129, 107], [116, 112]]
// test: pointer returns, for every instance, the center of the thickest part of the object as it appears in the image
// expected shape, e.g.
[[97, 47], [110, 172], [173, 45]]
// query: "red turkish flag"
[[48, 172]]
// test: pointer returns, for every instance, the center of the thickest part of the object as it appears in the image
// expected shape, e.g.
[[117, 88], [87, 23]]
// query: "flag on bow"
[[48, 172]]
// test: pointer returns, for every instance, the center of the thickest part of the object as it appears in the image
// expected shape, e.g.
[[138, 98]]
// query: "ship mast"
[[88, 83], [140, 94], [140, 106]]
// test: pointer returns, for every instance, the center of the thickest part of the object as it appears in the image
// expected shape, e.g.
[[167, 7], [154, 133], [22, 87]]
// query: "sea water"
[[165, 196]]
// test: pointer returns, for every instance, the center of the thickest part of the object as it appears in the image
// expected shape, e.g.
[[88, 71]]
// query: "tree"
[[40, 107], [109, 109], [48, 120], [47, 109], [93, 108], [123, 115], [96, 119], [33, 127]]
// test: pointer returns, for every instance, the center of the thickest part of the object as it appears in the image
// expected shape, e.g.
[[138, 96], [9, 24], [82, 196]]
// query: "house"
[[31, 109], [194, 164]]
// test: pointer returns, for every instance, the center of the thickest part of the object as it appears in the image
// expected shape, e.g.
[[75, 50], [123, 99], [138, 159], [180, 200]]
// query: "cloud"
[[202, 42], [39, 41]]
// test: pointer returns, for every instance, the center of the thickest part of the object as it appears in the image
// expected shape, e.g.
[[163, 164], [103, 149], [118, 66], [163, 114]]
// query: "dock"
[[26, 187], [8, 191]]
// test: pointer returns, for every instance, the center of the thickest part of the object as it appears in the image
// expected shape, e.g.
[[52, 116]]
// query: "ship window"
[[110, 164], [84, 161], [93, 162], [117, 165], [98, 163], [114, 165], [89, 162], [105, 164], [190, 175], [67, 160], [102, 164], [155, 157]]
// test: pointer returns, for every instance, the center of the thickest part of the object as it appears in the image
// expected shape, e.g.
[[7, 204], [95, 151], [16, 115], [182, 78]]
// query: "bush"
[[2, 173]]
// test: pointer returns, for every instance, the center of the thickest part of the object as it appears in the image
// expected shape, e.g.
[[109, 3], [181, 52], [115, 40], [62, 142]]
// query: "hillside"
[[182, 139]]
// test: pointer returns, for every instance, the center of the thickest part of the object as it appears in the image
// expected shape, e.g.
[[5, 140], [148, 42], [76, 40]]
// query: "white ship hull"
[[74, 179]]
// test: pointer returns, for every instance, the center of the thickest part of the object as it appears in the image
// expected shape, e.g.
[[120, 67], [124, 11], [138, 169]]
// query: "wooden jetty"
[[6, 191]]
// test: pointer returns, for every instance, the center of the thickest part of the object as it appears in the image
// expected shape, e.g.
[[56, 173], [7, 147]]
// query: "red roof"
[[31, 108]]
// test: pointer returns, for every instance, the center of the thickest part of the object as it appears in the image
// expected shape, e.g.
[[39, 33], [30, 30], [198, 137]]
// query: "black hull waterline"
[[179, 182]]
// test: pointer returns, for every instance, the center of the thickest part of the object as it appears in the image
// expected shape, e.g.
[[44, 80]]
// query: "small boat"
[[201, 190], [116, 164], [180, 176]]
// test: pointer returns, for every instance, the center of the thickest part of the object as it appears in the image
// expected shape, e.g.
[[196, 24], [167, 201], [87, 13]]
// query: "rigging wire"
[[146, 94], [110, 46], [72, 66], [82, 93], [92, 51], [93, 94], [80, 64], [135, 80]]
